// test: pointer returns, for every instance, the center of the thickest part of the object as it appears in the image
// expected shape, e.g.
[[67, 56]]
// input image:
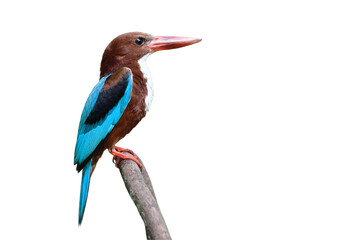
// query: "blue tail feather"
[[85, 181]]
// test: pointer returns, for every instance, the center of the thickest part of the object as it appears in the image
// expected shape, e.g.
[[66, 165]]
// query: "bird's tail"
[[85, 181]]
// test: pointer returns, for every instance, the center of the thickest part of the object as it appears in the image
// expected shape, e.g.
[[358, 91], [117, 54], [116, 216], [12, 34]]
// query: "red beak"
[[167, 42]]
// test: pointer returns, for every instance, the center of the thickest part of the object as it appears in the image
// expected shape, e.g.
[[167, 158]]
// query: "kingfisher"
[[118, 101]]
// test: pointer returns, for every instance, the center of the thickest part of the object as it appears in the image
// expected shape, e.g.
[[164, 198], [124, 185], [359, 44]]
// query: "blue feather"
[[90, 135], [85, 181]]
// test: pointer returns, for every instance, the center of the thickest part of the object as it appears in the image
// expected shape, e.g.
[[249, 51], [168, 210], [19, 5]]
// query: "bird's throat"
[[149, 83]]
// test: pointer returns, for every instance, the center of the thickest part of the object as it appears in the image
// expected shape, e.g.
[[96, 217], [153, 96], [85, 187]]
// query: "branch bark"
[[141, 191]]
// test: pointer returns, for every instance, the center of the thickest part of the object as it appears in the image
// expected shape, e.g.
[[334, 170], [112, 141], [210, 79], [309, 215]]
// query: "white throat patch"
[[149, 83]]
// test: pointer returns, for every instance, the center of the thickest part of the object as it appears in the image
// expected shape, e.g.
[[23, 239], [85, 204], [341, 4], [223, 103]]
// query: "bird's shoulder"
[[121, 76], [114, 89]]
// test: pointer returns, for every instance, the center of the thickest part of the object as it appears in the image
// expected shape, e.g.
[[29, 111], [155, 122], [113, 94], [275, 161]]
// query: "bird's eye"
[[139, 41]]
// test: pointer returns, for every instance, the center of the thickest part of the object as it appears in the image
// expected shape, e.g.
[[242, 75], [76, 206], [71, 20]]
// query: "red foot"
[[118, 156], [120, 149]]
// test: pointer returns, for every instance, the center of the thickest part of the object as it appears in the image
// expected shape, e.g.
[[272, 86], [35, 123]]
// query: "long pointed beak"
[[168, 42]]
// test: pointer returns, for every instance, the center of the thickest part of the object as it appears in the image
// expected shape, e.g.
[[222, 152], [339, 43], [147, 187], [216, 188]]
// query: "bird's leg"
[[118, 155]]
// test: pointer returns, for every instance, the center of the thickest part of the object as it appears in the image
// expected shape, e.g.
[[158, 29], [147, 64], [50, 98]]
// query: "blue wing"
[[103, 109]]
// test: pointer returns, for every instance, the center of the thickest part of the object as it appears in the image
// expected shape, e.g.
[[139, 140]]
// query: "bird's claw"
[[119, 156], [120, 149]]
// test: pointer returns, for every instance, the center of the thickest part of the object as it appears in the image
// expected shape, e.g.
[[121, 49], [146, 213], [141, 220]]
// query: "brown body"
[[132, 115]]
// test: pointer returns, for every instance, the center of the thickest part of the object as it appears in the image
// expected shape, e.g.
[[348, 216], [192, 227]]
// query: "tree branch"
[[138, 184]]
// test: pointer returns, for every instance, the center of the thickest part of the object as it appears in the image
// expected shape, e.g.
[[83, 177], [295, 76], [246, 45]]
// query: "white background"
[[254, 133]]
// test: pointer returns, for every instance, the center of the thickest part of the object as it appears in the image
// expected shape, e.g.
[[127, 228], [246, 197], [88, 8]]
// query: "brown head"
[[127, 49]]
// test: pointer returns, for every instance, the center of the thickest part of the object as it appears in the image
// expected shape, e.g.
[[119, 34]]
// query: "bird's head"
[[128, 48]]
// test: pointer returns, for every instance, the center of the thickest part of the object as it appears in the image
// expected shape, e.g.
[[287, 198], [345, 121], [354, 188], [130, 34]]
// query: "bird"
[[118, 102]]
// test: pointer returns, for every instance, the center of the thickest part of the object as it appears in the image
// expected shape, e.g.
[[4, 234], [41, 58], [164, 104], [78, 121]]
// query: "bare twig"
[[138, 184]]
